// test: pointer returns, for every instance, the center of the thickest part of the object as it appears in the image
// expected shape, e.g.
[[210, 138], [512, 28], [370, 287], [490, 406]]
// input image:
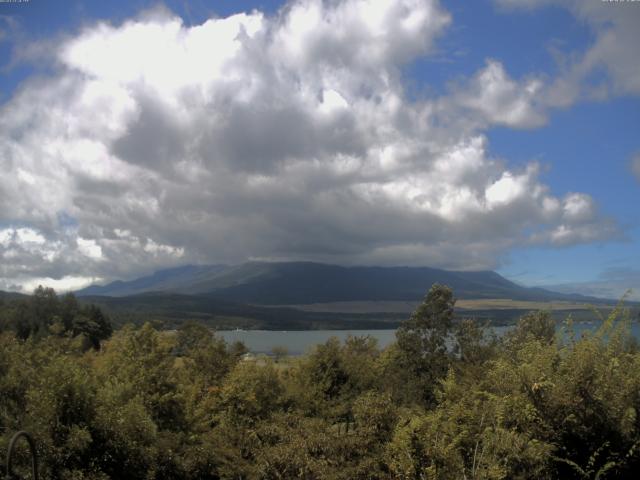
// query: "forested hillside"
[[447, 400], [44, 313]]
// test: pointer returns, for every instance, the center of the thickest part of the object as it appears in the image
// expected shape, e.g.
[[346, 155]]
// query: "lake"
[[299, 342]]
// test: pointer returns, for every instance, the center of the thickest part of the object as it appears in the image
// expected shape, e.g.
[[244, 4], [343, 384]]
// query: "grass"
[[409, 306], [505, 303]]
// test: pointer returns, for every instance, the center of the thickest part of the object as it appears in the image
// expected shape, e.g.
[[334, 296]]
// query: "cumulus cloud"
[[285, 137], [613, 51], [500, 100]]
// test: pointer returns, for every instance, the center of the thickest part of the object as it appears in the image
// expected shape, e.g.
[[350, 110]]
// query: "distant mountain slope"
[[289, 283], [11, 295], [179, 279]]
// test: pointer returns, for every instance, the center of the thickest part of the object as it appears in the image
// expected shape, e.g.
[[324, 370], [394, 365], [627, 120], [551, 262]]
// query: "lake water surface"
[[299, 342]]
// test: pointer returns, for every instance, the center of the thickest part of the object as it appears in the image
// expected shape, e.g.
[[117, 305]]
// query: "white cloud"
[[578, 207], [505, 190], [89, 248], [501, 100], [285, 137], [613, 51], [67, 283]]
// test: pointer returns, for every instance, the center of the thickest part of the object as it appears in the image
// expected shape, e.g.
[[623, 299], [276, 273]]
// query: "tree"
[[143, 360], [92, 323], [321, 378], [421, 356], [205, 359], [473, 345], [44, 313], [538, 326]]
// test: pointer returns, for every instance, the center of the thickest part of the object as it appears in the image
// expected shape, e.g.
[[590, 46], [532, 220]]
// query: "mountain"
[[292, 283], [179, 279], [11, 295]]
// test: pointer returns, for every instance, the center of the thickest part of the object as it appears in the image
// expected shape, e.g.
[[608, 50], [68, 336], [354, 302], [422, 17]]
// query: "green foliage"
[[533, 326], [422, 357], [44, 313], [448, 400]]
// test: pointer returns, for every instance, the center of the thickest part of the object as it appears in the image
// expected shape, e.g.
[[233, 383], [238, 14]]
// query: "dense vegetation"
[[44, 313], [446, 401], [173, 309]]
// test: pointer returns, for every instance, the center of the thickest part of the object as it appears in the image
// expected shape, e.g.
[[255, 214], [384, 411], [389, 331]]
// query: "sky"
[[493, 134]]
